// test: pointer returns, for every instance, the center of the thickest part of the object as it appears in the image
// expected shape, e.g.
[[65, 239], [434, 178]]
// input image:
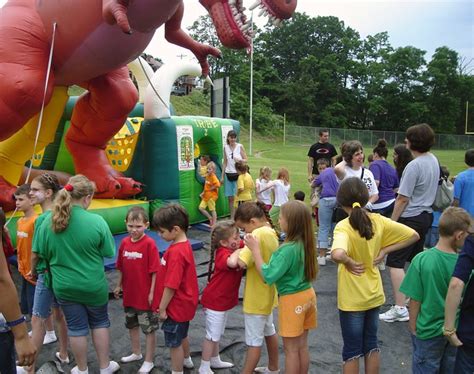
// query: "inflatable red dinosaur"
[[93, 42]]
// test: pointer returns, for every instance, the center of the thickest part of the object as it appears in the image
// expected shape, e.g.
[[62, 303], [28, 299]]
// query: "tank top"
[[232, 156]]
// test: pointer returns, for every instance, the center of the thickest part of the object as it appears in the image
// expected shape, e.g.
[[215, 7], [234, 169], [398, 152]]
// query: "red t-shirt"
[[222, 291], [137, 261], [178, 272]]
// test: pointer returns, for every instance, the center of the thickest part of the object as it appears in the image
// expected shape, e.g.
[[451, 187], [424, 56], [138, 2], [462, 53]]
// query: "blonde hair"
[[76, 188], [265, 172], [284, 175], [223, 230], [300, 229], [454, 219]]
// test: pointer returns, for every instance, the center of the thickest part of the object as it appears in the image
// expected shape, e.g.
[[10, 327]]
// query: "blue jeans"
[[432, 237], [44, 299], [464, 360], [326, 226], [433, 356], [80, 317], [7, 353], [359, 333], [27, 297]]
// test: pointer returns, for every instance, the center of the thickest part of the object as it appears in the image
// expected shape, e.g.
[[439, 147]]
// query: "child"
[[426, 283], [245, 184], [176, 285], [292, 268], [361, 241], [24, 235], [210, 194], [259, 297], [299, 195], [221, 293], [262, 185], [281, 189], [203, 161], [138, 262], [327, 182], [464, 185]]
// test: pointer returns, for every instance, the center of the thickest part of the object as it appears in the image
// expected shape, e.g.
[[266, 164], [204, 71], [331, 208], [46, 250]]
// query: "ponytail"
[[76, 188], [253, 209], [222, 230], [353, 194]]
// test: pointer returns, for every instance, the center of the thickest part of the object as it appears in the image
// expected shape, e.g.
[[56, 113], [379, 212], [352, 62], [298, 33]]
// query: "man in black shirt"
[[321, 149]]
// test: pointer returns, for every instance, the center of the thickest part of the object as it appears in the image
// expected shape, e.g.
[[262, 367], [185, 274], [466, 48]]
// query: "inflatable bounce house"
[[162, 151]]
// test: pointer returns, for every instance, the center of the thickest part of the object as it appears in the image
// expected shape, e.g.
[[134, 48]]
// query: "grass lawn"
[[294, 158]]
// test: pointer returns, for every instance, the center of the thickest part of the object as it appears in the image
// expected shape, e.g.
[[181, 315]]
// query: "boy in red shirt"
[[210, 194], [177, 287], [138, 262]]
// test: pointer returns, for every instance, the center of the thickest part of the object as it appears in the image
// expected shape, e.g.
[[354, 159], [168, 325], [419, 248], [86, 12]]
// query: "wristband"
[[448, 332], [16, 322]]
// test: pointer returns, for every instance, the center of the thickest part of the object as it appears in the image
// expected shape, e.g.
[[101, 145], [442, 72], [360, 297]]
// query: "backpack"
[[444, 193]]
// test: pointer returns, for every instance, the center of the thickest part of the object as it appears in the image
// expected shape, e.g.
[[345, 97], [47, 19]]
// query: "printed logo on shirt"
[[132, 255], [21, 234], [322, 151]]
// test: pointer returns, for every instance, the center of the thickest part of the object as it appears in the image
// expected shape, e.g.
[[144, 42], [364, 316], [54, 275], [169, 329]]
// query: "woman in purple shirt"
[[386, 179], [328, 183]]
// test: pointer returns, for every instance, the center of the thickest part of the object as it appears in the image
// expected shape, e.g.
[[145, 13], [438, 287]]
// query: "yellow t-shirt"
[[358, 293], [203, 171], [259, 297], [24, 240], [246, 183]]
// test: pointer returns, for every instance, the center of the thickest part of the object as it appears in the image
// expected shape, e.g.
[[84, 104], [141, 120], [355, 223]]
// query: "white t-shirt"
[[367, 178], [265, 196], [281, 192], [232, 156]]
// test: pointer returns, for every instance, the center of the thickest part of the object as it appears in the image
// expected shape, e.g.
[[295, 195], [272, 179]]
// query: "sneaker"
[[75, 370], [395, 314], [131, 358], [188, 363], [321, 260], [50, 337], [146, 367], [264, 369], [217, 363], [112, 368], [62, 361]]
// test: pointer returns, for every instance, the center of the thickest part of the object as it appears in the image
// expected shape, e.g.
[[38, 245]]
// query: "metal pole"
[[284, 129], [251, 85], [467, 115]]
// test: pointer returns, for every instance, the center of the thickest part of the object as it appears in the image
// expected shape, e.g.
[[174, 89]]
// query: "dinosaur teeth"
[[254, 5]]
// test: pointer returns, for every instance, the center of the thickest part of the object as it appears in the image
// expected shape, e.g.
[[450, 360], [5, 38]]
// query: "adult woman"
[[352, 165], [401, 157], [233, 152], [77, 271], [386, 180]]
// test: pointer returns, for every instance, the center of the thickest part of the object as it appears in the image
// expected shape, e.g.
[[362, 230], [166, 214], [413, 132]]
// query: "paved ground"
[[325, 341]]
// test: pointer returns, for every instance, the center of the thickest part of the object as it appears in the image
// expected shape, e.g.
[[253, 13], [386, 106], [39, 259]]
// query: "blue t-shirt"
[[388, 178], [464, 190], [463, 270], [328, 180]]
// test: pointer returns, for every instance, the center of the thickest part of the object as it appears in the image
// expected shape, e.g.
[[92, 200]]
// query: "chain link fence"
[[303, 135]]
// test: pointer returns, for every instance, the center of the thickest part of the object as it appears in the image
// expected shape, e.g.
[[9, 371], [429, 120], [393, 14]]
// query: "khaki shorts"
[[210, 204], [297, 313]]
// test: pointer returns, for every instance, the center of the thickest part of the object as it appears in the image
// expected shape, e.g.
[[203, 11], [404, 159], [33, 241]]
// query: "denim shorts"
[[44, 299], [433, 355], [464, 360], [27, 297], [175, 332], [359, 333], [7, 353], [80, 317], [145, 319]]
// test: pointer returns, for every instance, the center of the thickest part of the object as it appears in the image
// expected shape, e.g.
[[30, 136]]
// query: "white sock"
[[205, 366], [52, 332], [176, 372]]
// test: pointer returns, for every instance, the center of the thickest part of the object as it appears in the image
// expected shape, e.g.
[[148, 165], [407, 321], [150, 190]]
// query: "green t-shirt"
[[427, 282], [286, 269], [41, 265], [75, 257]]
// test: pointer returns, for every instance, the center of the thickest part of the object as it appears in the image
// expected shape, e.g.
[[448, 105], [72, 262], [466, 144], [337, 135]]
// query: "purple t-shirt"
[[328, 180], [388, 178]]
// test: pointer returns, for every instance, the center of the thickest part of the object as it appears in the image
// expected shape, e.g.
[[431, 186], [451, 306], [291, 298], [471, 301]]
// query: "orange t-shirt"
[[24, 240], [211, 181]]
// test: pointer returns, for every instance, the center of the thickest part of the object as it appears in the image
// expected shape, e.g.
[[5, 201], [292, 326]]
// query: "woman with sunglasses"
[[233, 152]]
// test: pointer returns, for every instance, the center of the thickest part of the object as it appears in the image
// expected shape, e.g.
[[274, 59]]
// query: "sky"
[[425, 24]]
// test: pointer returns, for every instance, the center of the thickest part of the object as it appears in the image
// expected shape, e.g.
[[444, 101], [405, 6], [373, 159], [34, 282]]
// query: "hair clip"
[[69, 187]]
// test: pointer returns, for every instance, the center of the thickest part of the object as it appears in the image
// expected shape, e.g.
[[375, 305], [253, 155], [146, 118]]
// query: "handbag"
[[444, 193], [232, 177]]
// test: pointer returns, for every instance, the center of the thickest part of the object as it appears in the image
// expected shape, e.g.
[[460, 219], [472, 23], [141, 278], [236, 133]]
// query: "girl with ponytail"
[[221, 293], [360, 243], [74, 243]]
